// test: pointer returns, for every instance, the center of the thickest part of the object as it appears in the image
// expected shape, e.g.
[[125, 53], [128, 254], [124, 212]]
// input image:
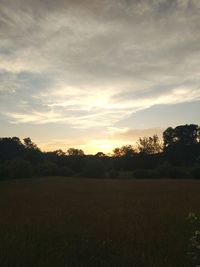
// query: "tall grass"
[[59, 222]]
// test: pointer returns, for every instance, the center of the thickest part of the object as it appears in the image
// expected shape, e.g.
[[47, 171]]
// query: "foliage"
[[94, 168], [10, 148], [183, 134], [47, 168], [5, 172], [20, 168], [149, 145], [75, 152], [124, 151], [163, 171], [113, 174], [29, 144], [146, 174], [194, 242], [142, 174], [65, 171], [59, 152], [195, 172], [180, 157], [100, 155], [166, 170]]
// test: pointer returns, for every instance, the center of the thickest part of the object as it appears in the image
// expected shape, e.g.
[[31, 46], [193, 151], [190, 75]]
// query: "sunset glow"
[[82, 72]]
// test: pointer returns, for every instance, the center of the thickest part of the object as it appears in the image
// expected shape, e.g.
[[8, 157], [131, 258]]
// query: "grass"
[[63, 222]]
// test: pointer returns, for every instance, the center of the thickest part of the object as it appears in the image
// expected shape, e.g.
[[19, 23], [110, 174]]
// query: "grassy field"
[[79, 222]]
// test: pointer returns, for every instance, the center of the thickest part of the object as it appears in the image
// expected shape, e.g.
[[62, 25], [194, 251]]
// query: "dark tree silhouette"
[[59, 152], [169, 137], [181, 144], [149, 145], [29, 144], [180, 158], [100, 155], [75, 152], [183, 135], [10, 147], [124, 151], [94, 168]]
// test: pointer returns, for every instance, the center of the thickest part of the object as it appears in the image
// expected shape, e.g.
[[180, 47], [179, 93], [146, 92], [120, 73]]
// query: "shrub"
[[20, 168], [194, 241], [163, 171], [113, 174], [195, 172], [48, 168], [144, 174], [65, 171], [178, 173], [94, 168], [166, 170], [5, 172]]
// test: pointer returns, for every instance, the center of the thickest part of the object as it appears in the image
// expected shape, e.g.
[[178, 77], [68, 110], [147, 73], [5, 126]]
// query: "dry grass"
[[78, 222]]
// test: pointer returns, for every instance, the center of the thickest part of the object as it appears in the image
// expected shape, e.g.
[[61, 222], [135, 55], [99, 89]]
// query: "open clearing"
[[59, 222]]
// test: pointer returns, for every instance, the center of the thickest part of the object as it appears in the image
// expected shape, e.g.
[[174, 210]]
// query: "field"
[[59, 222]]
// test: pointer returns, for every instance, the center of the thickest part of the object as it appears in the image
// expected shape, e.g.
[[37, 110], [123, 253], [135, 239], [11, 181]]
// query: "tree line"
[[176, 156]]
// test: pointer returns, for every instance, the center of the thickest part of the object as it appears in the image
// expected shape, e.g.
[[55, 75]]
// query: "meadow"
[[76, 222]]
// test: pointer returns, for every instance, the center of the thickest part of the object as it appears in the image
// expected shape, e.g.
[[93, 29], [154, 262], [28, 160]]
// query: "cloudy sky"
[[96, 74]]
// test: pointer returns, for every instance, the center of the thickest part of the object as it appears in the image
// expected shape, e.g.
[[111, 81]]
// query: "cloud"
[[9, 83], [91, 64]]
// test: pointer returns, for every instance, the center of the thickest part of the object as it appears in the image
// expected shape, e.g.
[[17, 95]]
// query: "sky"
[[97, 74]]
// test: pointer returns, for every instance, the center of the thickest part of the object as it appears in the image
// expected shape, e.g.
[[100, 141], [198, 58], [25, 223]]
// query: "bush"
[[195, 172], [94, 168], [48, 168], [65, 171], [5, 173], [20, 168], [194, 241], [143, 174], [163, 171], [166, 170], [113, 174], [178, 173]]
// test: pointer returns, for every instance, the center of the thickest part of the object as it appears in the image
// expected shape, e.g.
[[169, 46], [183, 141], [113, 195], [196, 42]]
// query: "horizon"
[[158, 145], [96, 75]]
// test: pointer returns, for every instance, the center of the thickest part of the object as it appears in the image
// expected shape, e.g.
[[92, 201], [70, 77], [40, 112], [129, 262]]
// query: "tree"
[[169, 137], [29, 144], [124, 151], [94, 168], [187, 134], [59, 152], [182, 135], [117, 152], [32, 153], [75, 152], [181, 145], [100, 155], [10, 147], [149, 145], [47, 168], [20, 168]]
